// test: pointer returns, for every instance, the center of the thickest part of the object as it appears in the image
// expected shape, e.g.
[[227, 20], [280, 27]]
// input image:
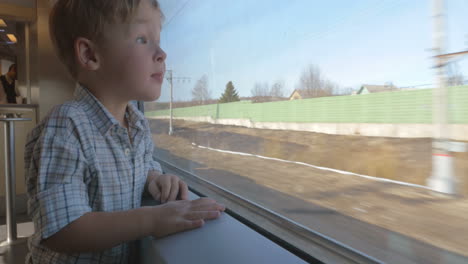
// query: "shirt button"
[[127, 152]]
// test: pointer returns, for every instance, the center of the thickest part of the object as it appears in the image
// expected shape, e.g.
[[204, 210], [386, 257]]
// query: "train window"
[[347, 117]]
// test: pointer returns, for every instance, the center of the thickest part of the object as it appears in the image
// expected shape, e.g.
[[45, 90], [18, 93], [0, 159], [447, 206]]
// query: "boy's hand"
[[167, 187], [178, 216]]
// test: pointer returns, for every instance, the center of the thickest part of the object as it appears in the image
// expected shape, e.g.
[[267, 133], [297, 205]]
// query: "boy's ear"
[[86, 54]]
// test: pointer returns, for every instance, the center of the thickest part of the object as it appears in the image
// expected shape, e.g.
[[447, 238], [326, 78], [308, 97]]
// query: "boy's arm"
[[97, 231]]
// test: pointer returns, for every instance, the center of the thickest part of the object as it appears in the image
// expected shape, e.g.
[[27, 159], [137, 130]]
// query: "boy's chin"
[[150, 97], [154, 98], [147, 94]]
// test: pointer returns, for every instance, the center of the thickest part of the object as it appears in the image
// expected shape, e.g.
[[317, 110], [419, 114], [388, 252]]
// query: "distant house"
[[296, 95], [367, 89]]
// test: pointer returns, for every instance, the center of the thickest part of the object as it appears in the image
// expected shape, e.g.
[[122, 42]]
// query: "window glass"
[[330, 113]]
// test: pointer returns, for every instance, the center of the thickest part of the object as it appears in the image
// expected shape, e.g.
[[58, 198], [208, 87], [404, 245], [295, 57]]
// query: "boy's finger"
[[221, 207], [207, 204], [210, 207], [207, 215], [165, 189], [174, 190], [157, 195], [192, 224], [155, 191], [204, 200], [183, 190]]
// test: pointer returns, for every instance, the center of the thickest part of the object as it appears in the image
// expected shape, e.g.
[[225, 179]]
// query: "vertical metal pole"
[[442, 178], [27, 48], [10, 181], [170, 104]]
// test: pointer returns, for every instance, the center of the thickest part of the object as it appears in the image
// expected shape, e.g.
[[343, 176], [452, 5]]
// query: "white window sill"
[[224, 240]]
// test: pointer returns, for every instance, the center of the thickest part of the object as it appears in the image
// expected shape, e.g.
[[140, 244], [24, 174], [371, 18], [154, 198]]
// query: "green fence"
[[413, 106]]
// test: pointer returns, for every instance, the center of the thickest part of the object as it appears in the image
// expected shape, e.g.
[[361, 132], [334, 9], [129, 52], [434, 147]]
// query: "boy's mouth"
[[159, 76]]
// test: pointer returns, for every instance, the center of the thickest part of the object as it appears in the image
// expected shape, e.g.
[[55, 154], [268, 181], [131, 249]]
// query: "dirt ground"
[[438, 220]]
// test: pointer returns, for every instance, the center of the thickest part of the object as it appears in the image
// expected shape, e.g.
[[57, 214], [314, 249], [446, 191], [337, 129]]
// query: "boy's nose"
[[160, 55]]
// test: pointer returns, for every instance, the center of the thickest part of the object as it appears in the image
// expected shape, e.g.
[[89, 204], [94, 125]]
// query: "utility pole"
[[170, 77], [171, 84], [442, 178]]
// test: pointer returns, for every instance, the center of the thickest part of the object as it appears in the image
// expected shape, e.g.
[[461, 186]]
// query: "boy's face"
[[132, 62]]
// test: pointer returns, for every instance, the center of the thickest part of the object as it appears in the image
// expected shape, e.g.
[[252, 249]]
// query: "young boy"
[[90, 160]]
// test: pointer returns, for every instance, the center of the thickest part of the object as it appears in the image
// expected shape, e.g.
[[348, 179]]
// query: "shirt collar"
[[136, 118], [101, 117]]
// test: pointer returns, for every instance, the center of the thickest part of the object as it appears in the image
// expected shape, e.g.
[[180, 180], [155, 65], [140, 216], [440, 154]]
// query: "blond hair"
[[71, 19]]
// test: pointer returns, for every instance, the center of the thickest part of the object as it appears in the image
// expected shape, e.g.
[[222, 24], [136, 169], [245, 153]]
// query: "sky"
[[264, 41]]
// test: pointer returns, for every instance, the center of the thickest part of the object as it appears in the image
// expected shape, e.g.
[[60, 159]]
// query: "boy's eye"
[[141, 40]]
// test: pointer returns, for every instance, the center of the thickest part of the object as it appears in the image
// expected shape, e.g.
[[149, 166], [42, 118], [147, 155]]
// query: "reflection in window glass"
[[323, 112]]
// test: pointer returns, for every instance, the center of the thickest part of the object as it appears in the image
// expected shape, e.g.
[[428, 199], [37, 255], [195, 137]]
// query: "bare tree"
[[277, 89], [345, 91], [200, 92], [260, 90], [455, 77], [456, 80], [314, 84]]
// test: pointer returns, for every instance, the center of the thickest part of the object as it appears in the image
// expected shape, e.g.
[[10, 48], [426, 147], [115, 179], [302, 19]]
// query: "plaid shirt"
[[79, 160]]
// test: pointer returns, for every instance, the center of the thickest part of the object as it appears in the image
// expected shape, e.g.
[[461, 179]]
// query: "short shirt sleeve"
[[60, 169]]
